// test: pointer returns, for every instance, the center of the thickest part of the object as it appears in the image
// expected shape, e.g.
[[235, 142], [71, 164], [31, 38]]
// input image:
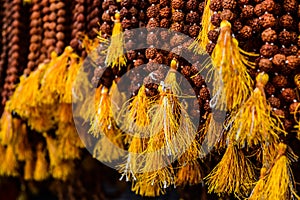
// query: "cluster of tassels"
[[249, 124], [43, 101], [157, 131]]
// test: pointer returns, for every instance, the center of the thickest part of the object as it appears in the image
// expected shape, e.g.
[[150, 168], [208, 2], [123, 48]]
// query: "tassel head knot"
[[225, 23], [173, 64], [262, 79]]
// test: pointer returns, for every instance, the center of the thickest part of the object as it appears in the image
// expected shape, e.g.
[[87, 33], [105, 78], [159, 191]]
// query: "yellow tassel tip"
[[200, 43], [229, 70], [63, 170], [54, 80], [212, 134], [280, 182], [23, 147], [189, 174], [9, 165], [115, 53], [72, 74], [7, 133], [102, 119], [171, 81], [165, 124], [110, 146], [234, 174], [134, 117], [29, 169], [41, 171], [134, 162], [253, 123], [143, 188], [27, 91], [257, 191]]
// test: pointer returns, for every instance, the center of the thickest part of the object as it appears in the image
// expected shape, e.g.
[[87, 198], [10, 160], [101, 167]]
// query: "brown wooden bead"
[[61, 20], [269, 35], [288, 95], [268, 50], [267, 20], [215, 5]]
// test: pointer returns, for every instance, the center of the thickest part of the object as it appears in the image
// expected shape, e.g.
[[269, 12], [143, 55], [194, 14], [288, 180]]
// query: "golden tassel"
[[134, 162], [115, 53], [257, 191], [199, 44], [64, 114], [170, 80], [7, 134], [234, 174], [42, 119], [54, 80], [63, 170], [110, 146], [189, 174], [165, 123], [25, 95], [280, 183], [134, 117], [68, 141], [253, 124], [117, 98], [144, 188], [41, 167], [23, 148], [212, 134], [52, 148], [9, 166], [72, 73], [28, 169], [229, 70], [102, 118]]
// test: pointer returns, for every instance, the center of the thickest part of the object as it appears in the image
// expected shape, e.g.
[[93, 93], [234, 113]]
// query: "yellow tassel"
[[73, 70], [212, 134], [165, 124], [229, 70], [42, 118], [52, 147], [63, 170], [9, 166], [64, 114], [189, 174], [171, 81], [110, 146], [2, 156], [25, 95], [28, 169], [68, 142], [134, 116], [253, 123], [257, 191], [102, 119], [234, 174], [115, 53], [144, 188], [55, 77], [280, 183], [86, 111], [199, 45], [133, 164], [23, 148], [117, 98], [7, 133], [41, 171]]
